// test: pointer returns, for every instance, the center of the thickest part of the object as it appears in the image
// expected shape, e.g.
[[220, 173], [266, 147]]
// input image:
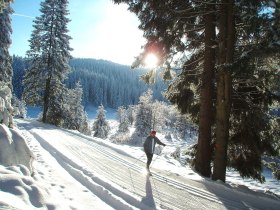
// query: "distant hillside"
[[103, 82]]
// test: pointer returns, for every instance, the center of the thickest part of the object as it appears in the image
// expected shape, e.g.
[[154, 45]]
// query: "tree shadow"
[[148, 200]]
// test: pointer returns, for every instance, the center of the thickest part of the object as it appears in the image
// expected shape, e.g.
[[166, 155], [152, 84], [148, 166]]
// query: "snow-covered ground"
[[74, 171]]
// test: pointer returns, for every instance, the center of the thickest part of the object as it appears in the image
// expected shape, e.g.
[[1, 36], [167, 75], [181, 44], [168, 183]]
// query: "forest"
[[103, 82]]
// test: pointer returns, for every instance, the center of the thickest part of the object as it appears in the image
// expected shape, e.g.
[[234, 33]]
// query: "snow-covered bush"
[[123, 120], [6, 108], [131, 114], [168, 136], [100, 125], [159, 117], [74, 114], [19, 107], [120, 138], [177, 153], [14, 149], [144, 114]]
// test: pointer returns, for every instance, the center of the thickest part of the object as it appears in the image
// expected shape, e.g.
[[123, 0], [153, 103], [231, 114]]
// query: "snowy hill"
[[74, 171]]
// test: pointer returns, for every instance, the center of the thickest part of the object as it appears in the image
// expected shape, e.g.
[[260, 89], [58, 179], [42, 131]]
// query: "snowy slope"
[[82, 172]]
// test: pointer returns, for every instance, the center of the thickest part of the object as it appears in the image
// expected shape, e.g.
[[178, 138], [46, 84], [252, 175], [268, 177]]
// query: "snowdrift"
[[14, 149]]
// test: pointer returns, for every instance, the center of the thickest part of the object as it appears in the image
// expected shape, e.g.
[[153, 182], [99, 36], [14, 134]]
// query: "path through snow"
[[82, 172]]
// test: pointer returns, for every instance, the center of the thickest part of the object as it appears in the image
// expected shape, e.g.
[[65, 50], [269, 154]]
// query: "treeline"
[[103, 82]]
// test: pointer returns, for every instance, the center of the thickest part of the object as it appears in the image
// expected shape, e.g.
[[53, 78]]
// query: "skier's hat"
[[153, 132]]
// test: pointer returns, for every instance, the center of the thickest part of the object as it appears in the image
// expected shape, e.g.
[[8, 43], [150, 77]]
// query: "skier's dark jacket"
[[149, 144]]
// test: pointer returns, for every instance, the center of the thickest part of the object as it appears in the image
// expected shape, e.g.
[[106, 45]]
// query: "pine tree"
[[254, 93], [5, 67], [131, 114], [48, 60], [100, 125], [73, 111], [123, 120], [144, 117], [19, 107]]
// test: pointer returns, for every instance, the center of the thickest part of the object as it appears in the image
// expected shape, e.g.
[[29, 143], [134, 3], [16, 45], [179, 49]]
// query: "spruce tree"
[[74, 115], [100, 125], [144, 115], [6, 71], [123, 120], [19, 107], [48, 60]]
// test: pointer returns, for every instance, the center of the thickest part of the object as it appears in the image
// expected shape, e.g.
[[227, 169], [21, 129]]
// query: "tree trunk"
[[226, 52], [203, 155]]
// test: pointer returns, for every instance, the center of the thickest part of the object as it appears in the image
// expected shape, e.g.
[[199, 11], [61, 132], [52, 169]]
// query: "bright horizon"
[[99, 29]]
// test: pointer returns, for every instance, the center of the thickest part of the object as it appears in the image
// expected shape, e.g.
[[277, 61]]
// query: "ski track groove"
[[84, 175]]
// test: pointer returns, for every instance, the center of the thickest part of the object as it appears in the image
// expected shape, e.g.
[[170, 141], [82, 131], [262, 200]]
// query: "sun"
[[151, 60]]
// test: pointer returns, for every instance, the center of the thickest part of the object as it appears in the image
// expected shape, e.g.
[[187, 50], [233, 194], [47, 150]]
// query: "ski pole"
[[136, 161], [157, 157]]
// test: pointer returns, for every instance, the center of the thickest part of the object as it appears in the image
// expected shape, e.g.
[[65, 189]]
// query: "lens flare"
[[151, 60]]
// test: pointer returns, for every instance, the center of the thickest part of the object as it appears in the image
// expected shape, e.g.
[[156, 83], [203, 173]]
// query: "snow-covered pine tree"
[[123, 120], [75, 116], [5, 67], [131, 114], [48, 57], [144, 117], [6, 108], [159, 119], [100, 125], [6, 71], [19, 107]]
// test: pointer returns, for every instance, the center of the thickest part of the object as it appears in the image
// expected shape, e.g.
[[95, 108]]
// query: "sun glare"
[[151, 60]]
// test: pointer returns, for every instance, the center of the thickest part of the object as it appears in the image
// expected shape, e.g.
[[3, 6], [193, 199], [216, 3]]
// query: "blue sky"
[[99, 29]]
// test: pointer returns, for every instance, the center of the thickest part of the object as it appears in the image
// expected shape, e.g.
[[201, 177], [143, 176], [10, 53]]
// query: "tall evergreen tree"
[[6, 71], [253, 91], [224, 86], [5, 66], [48, 56], [123, 120], [100, 125], [143, 118], [73, 111]]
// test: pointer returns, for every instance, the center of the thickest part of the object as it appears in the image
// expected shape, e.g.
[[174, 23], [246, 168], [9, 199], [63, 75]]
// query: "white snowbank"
[[14, 149], [19, 190]]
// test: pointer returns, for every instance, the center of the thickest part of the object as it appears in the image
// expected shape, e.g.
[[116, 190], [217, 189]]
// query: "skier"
[[149, 148]]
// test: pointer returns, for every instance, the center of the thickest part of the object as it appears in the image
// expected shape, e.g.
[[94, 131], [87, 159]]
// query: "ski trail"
[[117, 178], [47, 171]]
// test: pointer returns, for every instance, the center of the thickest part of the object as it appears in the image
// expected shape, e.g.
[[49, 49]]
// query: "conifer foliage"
[[5, 67], [101, 125], [144, 114], [73, 111], [123, 120], [48, 60], [227, 77]]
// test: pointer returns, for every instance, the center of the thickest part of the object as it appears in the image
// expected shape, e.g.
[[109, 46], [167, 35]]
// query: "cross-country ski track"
[[117, 178]]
